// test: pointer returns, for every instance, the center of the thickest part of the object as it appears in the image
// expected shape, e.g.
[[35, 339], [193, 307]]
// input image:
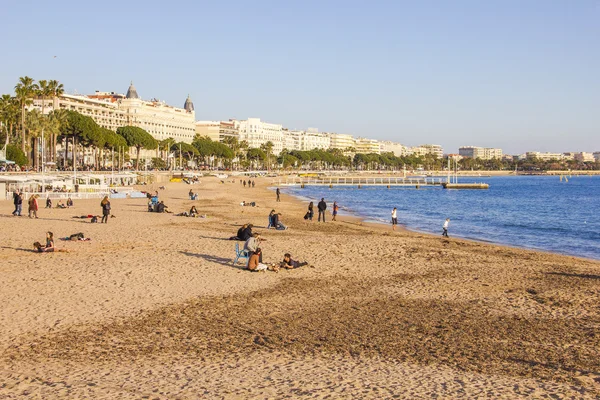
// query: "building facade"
[[584, 157], [392, 147], [257, 133], [484, 153], [545, 156], [367, 146], [160, 120], [341, 141], [434, 149]]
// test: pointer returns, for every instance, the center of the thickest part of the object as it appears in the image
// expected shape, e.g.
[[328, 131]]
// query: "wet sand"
[[153, 308]]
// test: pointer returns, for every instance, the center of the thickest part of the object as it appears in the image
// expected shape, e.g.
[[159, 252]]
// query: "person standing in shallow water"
[[278, 192], [445, 227], [105, 204], [394, 219], [335, 211]]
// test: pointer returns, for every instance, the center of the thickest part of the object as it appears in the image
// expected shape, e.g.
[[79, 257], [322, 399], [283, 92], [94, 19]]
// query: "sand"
[[152, 307]]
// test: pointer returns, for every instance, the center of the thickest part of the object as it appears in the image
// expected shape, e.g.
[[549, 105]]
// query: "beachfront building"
[[434, 149], [584, 157], [257, 133], [217, 130], [416, 151], [103, 110], [341, 141], [159, 119], [392, 147], [597, 156], [484, 153], [544, 156], [367, 146]]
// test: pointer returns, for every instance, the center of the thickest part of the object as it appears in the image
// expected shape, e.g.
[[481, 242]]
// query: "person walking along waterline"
[[394, 219], [445, 227], [322, 206], [105, 204], [278, 192]]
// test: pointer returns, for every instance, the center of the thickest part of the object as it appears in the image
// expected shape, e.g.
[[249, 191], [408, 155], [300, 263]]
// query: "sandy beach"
[[152, 307]]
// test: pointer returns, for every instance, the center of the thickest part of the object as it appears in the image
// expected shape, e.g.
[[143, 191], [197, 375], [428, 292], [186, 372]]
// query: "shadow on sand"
[[219, 260]]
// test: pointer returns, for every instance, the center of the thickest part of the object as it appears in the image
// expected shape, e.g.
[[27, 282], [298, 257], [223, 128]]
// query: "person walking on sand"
[[445, 227], [278, 192], [18, 202], [311, 212], [105, 204], [335, 210], [33, 206], [244, 183], [322, 206], [253, 183], [394, 219]]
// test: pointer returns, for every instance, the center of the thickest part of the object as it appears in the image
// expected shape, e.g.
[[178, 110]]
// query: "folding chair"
[[240, 254]]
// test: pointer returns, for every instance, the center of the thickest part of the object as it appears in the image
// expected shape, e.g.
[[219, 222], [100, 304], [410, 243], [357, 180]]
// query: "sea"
[[533, 212]]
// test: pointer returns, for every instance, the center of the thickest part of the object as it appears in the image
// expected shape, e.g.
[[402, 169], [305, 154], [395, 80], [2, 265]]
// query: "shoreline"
[[364, 220]]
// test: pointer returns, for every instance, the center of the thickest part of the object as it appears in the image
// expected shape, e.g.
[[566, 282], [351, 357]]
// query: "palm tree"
[[268, 148], [57, 89], [9, 114], [25, 90], [36, 123]]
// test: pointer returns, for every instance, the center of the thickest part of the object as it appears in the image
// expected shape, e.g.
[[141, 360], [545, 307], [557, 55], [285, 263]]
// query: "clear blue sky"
[[521, 75]]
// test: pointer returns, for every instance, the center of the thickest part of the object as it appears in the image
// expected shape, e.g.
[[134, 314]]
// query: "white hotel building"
[[257, 133], [112, 110]]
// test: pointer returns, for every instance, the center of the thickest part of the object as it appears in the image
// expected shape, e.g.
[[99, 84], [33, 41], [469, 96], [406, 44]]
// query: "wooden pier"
[[359, 182]]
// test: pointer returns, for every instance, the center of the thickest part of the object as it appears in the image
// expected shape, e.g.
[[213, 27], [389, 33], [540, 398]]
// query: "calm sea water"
[[531, 211]]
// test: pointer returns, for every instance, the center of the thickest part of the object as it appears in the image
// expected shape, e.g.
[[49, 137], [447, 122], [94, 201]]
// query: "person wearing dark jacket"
[[18, 202], [105, 204], [322, 206]]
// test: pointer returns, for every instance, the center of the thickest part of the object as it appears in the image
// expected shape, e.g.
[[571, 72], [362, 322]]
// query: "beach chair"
[[240, 254]]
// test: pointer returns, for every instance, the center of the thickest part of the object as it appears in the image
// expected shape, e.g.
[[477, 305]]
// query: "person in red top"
[[33, 206]]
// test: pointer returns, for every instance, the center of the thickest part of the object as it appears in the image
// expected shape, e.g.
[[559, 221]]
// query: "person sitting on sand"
[[48, 202], [191, 194], [69, 202], [49, 247], [60, 204], [288, 263], [252, 244], [255, 263], [161, 207], [240, 233], [193, 212], [276, 222]]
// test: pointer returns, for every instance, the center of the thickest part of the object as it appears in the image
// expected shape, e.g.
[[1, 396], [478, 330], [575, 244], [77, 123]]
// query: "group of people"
[[248, 184], [255, 256], [395, 222], [33, 204], [321, 207]]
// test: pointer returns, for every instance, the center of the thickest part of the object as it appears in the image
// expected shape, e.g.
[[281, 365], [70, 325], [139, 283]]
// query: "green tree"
[[138, 138], [15, 154], [80, 129], [9, 116], [25, 90], [57, 89]]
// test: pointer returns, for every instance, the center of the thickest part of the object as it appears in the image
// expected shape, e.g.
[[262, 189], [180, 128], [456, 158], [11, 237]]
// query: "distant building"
[[544, 156], [217, 130], [162, 121], [257, 133], [484, 153], [367, 146], [584, 157], [597, 156], [434, 149], [341, 141], [392, 147]]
